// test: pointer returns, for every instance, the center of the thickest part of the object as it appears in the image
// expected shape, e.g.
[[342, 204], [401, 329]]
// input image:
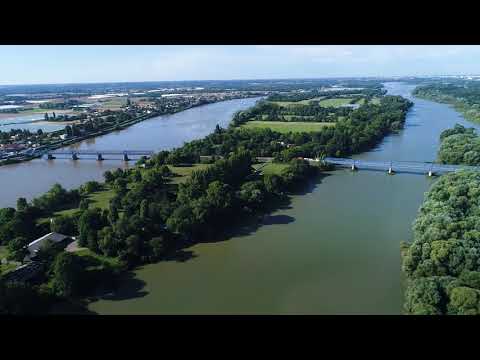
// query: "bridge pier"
[[390, 171], [125, 157], [354, 168], [50, 157], [99, 157], [74, 156], [431, 173]]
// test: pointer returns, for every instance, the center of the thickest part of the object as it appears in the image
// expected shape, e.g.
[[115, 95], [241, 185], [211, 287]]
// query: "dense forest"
[[268, 111], [459, 145], [331, 93], [443, 262], [358, 132]]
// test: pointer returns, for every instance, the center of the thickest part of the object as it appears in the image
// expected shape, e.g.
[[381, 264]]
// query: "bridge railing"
[[424, 167]]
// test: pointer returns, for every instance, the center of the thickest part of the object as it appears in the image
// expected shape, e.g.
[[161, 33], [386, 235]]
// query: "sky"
[[42, 64]]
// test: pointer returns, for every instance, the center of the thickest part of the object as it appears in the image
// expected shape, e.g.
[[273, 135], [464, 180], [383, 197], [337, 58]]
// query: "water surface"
[[32, 178], [336, 250]]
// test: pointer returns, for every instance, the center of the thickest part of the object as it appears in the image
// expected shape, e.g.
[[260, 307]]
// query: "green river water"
[[334, 250]]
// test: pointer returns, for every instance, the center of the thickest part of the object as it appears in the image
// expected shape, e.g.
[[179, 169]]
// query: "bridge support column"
[[125, 157], [354, 168], [50, 157], [99, 157], [430, 173], [74, 156], [390, 171]]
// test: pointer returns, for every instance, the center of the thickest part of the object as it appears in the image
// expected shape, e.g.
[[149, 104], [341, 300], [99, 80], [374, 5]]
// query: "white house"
[[34, 246]]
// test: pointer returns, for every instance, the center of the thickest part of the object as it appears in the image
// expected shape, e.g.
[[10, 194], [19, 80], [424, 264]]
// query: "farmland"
[[286, 127]]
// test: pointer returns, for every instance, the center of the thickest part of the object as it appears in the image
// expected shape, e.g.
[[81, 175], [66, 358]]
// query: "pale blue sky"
[[72, 64]]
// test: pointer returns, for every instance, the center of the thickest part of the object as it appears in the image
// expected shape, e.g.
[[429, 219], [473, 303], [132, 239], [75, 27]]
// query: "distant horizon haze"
[[91, 64]]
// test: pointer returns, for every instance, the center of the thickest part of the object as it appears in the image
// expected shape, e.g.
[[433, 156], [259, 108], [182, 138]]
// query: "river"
[[32, 178], [335, 250]]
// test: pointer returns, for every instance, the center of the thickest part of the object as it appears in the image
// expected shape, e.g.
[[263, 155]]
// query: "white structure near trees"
[[34, 246]]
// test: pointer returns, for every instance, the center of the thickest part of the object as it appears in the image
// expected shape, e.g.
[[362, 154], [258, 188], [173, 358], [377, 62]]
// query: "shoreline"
[[119, 127]]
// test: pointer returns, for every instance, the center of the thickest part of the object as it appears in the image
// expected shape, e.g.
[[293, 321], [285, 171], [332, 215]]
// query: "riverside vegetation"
[[150, 217], [464, 96], [443, 262]]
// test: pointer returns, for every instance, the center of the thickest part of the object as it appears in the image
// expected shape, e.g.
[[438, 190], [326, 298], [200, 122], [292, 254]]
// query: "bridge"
[[74, 154], [391, 167]]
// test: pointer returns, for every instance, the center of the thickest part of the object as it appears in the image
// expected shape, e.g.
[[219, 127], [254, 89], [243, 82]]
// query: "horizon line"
[[245, 79]]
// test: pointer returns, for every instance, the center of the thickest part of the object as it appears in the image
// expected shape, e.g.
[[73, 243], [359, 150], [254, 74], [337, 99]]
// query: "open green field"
[[285, 127], [334, 102], [4, 268], [271, 168], [98, 199], [184, 172], [289, 117], [114, 103], [375, 101]]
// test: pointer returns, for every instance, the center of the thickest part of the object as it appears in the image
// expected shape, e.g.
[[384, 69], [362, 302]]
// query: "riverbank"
[[40, 151], [470, 112], [319, 255]]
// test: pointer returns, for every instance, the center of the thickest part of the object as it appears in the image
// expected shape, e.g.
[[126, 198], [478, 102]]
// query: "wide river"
[[30, 179], [335, 250]]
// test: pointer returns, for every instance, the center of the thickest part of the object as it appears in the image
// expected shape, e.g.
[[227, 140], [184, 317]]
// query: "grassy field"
[[375, 101], [271, 168], [98, 199], [285, 127], [185, 171], [4, 268], [113, 104], [334, 102], [293, 103], [289, 117]]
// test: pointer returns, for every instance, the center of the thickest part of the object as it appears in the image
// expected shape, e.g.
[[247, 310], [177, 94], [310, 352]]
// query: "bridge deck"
[[399, 166], [103, 152]]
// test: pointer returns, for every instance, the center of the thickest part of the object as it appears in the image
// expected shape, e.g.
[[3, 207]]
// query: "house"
[[34, 246]]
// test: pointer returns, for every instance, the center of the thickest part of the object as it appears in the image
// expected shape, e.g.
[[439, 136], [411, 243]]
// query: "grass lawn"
[[98, 199], [4, 268], [334, 102], [375, 101], [271, 168], [285, 127], [3, 252], [113, 104], [361, 101], [185, 171]]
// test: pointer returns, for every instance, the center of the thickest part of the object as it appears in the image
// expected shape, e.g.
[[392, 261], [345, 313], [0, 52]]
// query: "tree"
[[89, 223], [108, 175], [22, 204], [83, 204], [273, 183], [17, 249], [47, 253], [64, 225], [67, 274], [158, 247], [107, 243]]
